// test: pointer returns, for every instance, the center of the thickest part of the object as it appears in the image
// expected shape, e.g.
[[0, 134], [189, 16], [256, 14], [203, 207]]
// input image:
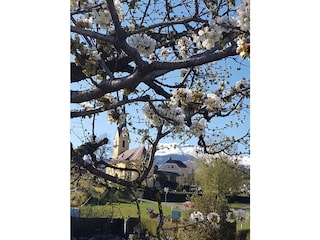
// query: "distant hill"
[[185, 153]]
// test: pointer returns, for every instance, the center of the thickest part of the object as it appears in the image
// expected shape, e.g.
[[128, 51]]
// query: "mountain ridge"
[[186, 153]]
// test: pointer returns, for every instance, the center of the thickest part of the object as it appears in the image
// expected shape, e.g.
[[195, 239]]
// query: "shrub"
[[206, 231]]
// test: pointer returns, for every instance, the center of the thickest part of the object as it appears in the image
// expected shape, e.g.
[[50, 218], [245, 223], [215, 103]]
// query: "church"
[[129, 163]]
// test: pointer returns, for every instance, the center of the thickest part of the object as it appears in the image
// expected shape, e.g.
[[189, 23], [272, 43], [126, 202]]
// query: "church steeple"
[[121, 141]]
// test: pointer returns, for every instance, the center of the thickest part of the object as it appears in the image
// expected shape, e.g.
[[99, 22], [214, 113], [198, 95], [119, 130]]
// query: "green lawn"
[[120, 210]]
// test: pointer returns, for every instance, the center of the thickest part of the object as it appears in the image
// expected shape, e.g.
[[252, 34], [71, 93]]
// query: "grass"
[[120, 210], [239, 205]]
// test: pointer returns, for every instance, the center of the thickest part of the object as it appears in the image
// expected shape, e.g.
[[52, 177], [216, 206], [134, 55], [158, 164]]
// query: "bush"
[[205, 231]]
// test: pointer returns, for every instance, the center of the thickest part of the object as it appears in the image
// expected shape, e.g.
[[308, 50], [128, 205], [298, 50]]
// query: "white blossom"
[[241, 84], [213, 217], [87, 106], [184, 45], [176, 97], [144, 44], [110, 118], [152, 57], [196, 217], [102, 18], [89, 20], [198, 127], [240, 216], [131, 27], [231, 216], [243, 48], [77, 4], [86, 23], [110, 98], [189, 95], [227, 21], [116, 115], [164, 52], [117, 5], [208, 36], [94, 53], [154, 119], [244, 15], [213, 102], [74, 4]]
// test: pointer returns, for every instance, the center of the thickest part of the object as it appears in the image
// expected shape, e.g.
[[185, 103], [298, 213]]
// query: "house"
[[176, 171]]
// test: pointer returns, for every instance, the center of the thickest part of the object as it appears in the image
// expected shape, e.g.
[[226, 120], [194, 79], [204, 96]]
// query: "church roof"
[[138, 153]]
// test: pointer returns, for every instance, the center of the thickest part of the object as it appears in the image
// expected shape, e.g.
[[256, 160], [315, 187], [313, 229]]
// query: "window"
[[123, 143]]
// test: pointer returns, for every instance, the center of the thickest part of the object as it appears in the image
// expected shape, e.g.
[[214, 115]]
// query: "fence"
[[89, 227], [239, 199]]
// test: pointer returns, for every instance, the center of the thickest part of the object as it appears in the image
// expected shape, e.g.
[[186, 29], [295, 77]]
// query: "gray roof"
[[138, 153], [179, 163]]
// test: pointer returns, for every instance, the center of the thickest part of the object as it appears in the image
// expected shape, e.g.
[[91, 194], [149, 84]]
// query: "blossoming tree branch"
[[165, 60]]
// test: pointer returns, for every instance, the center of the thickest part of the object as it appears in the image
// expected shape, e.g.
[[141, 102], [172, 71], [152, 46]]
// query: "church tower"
[[121, 141]]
